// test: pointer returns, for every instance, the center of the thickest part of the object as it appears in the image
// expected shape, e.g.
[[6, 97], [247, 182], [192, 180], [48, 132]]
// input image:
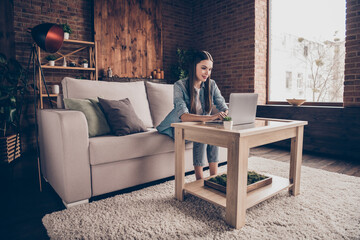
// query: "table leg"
[[236, 190], [295, 160], [179, 163]]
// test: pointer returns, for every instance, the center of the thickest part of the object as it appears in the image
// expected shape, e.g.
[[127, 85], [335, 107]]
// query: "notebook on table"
[[242, 108]]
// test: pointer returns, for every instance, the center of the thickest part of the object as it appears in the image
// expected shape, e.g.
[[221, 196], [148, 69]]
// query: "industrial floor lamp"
[[49, 37]]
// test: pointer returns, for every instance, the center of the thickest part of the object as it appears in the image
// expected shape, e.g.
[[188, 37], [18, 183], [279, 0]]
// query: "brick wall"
[[261, 50], [177, 32], [226, 30], [27, 14], [234, 32], [352, 57], [7, 29]]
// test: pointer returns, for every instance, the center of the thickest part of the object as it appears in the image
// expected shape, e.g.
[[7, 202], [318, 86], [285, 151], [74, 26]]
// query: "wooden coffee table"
[[238, 141]]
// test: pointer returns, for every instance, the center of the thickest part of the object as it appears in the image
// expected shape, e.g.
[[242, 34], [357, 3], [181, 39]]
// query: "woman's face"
[[203, 70]]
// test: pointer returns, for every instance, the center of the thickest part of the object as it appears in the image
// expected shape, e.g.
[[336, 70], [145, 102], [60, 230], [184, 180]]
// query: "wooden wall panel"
[[128, 34]]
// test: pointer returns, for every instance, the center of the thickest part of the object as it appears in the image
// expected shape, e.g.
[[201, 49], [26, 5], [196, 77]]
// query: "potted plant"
[[180, 70], [51, 59], [13, 86], [85, 63], [72, 64], [228, 123], [67, 30]]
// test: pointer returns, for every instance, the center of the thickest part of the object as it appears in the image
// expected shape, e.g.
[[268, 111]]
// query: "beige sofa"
[[79, 167]]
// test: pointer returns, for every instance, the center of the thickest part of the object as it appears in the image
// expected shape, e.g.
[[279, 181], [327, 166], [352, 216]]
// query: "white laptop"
[[242, 108]]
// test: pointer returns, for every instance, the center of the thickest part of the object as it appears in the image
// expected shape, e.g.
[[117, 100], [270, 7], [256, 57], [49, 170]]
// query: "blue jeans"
[[199, 153]]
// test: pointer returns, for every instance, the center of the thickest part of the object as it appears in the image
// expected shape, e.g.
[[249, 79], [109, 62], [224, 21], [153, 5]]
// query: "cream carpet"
[[327, 208]]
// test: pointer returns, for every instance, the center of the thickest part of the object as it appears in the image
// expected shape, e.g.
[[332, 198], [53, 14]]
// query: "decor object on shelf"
[[109, 72], [13, 87], [51, 59], [85, 63], [56, 89], [64, 62], [72, 64], [67, 30], [74, 61], [228, 123], [296, 102], [157, 74]]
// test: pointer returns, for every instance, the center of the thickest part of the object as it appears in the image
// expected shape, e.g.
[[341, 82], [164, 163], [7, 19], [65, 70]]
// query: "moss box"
[[254, 181]]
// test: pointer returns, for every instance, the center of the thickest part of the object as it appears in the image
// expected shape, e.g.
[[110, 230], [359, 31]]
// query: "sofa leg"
[[73, 204]]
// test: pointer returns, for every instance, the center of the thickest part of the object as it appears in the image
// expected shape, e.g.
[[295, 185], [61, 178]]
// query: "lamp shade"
[[48, 36]]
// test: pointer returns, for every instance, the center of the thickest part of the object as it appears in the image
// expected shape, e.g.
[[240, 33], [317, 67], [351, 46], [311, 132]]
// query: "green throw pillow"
[[96, 120]]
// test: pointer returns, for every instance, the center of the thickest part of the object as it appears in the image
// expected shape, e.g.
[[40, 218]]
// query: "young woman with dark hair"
[[194, 98]]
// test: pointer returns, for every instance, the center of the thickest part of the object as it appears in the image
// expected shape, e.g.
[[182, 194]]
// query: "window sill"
[[286, 105]]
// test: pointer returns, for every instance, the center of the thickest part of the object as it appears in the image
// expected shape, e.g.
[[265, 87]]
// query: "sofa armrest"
[[64, 153]]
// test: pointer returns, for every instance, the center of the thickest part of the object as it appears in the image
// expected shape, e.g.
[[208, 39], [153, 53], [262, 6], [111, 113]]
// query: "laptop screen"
[[242, 107]]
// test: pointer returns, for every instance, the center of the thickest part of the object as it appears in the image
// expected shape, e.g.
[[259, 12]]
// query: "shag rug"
[[327, 208]]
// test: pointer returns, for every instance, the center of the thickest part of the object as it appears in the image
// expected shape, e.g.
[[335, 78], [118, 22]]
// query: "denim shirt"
[[182, 104]]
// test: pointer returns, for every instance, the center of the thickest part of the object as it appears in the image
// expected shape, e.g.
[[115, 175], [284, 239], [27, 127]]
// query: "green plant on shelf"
[[84, 61], [227, 118], [66, 28], [51, 57]]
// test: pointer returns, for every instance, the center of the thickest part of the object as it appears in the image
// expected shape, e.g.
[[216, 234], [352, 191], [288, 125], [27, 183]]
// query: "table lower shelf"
[[198, 189]]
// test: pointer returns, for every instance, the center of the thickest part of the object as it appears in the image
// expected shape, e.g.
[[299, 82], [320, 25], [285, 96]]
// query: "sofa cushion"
[[96, 120], [135, 91], [121, 117], [160, 98], [107, 149]]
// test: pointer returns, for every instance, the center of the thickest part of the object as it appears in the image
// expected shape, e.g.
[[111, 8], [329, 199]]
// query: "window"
[[307, 46], [288, 79], [300, 83]]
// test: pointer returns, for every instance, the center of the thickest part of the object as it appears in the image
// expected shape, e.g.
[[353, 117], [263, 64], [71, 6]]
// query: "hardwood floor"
[[23, 205], [328, 163]]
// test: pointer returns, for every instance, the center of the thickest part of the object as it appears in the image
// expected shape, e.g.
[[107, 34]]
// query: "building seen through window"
[[307, 50]]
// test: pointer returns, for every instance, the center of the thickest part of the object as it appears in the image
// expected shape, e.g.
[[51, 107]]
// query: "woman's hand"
[[188, 117], [219, 115]]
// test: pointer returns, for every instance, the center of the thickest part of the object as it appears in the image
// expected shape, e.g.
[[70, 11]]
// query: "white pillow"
[[160, 98], [135, 91]]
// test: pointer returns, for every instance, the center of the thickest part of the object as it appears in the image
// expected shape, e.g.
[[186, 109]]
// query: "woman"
[[194, 98]]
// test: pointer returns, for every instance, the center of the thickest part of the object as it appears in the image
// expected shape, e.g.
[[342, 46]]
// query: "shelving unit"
[[78, 46]]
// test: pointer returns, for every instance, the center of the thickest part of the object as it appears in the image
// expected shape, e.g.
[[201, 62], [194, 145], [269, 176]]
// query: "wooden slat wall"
[[128, 34]]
